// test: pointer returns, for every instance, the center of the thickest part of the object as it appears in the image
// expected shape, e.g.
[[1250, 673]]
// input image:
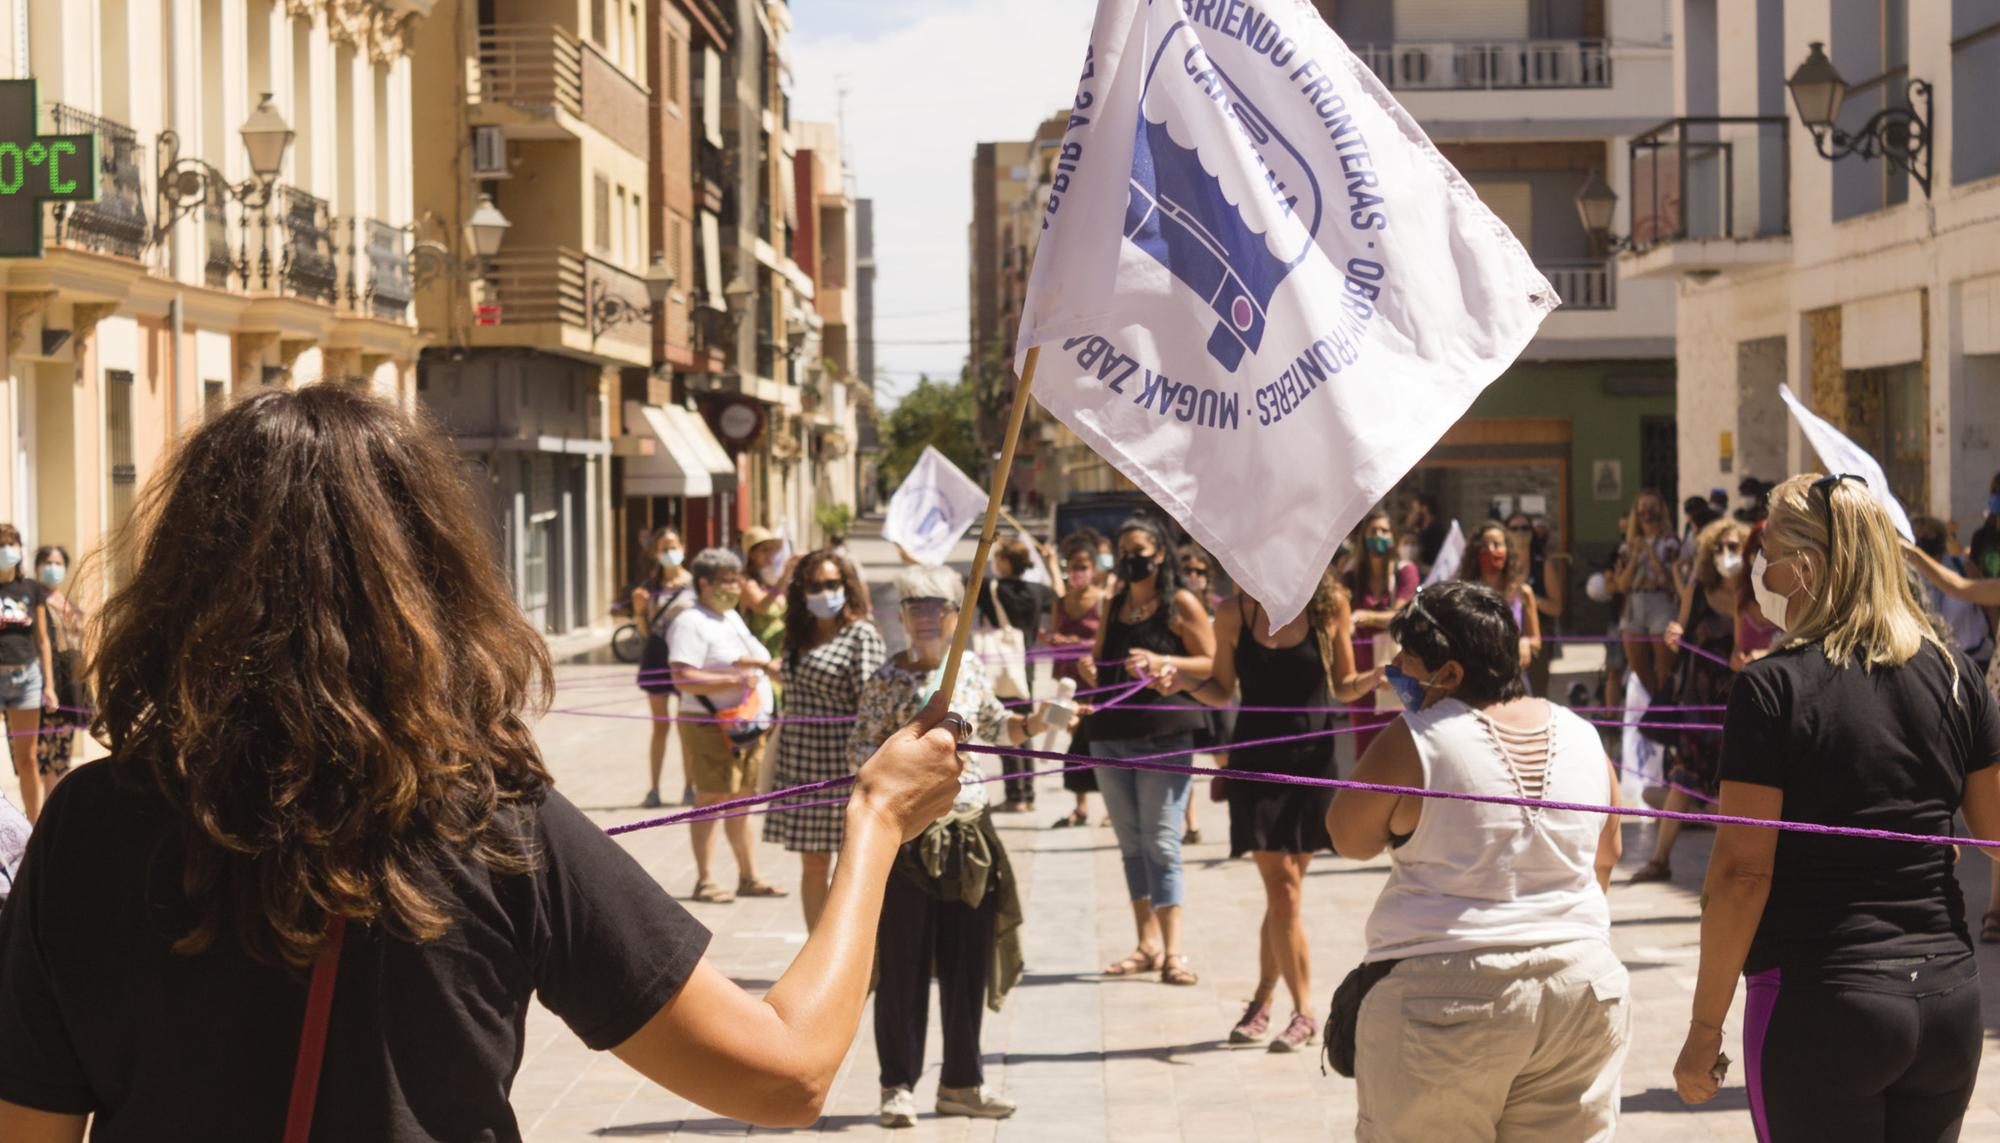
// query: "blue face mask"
[[827, 604], [1993, 504], [1409, 690], [1105, 562], [671, 558], [52, 574]]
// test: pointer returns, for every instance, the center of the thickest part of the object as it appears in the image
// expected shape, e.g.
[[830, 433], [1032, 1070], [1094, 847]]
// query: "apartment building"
[[544, 111], [1533, 101], [1871, 286], [824, 249], [249, 231]]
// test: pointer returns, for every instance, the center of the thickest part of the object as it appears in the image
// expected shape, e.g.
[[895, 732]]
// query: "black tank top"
[[1292, 676], [1148, 713]]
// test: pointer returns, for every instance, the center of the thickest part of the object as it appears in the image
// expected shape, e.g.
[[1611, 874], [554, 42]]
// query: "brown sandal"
[[711, 893], [1138, 961], [1652, 871], [1174, 970], [758, 889]]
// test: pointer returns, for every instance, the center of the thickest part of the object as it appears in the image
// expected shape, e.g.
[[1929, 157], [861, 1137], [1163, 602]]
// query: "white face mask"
[[1769, 602], [1728, 564]]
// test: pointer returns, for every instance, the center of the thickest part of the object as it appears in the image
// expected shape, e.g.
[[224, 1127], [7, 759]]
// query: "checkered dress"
[[826, 683]]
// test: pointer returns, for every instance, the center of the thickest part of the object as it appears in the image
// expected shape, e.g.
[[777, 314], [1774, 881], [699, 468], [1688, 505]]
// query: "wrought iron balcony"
[[1711, 178], [116, 222], [1504, 65], [307, 267], [389, 287]]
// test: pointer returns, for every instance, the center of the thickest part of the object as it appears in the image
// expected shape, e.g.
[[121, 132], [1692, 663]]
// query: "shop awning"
[[673, 467], [715, 459]]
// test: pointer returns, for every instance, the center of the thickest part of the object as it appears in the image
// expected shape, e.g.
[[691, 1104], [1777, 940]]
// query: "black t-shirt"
[[21, 601], [98, 1015], [1879, 749], [1025, 603]]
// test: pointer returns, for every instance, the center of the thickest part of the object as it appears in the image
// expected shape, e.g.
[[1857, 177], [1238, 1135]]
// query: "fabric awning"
[[675, 467], [714, 459], [711, 263]]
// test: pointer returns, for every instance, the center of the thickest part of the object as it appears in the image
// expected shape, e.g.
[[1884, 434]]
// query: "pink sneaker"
[[1255, 1025], [1297, 1034]]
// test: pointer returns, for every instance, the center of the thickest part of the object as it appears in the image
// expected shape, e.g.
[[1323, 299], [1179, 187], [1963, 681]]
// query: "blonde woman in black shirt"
[[1862, 1013]]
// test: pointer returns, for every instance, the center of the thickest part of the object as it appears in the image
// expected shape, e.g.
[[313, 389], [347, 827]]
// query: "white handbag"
[[1004, 650]]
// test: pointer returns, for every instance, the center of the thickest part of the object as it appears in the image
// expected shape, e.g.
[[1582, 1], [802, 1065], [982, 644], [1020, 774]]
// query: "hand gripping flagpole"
[[987, 530]]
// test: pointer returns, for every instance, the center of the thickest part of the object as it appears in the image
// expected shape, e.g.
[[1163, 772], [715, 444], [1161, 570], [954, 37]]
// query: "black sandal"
[[1073, 818]]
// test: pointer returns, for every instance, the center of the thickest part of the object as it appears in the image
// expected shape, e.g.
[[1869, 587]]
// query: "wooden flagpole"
[[1001, 472]]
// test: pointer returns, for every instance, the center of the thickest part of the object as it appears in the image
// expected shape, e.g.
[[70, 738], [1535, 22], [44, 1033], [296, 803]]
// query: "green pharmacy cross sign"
[[35, 169]]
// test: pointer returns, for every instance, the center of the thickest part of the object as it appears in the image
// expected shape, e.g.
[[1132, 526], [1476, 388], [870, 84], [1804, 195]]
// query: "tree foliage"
[[936, 413]]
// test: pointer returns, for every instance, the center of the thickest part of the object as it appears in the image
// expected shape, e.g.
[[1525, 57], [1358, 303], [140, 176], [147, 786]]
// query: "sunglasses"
[[1193, 569], [1824, 486], [926, 605]]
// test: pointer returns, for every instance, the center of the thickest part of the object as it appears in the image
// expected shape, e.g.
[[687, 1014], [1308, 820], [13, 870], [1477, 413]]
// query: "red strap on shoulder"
[[312, 1036]]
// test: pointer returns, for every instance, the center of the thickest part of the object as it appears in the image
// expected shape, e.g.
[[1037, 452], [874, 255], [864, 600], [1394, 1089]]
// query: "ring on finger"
[[956, 724]]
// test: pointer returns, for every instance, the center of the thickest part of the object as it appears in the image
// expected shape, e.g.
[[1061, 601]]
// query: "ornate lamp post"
[[608, 310], [1900, 134], [186, 183]]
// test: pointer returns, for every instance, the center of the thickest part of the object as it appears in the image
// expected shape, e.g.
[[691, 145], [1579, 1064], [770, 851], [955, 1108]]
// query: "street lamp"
[[609, 310], [1597, 206], [1898, 133], [188, 183], [431, 259]]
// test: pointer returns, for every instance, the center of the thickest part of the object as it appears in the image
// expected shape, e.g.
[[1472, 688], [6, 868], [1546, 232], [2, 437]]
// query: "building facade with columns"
[[157, 303], [1874, 297]]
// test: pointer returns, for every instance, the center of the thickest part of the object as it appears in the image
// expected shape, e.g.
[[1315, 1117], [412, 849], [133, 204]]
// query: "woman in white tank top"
[[1500, 1010]]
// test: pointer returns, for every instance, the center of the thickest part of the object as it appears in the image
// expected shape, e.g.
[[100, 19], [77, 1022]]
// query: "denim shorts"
[[21, 687], [1648, 613]]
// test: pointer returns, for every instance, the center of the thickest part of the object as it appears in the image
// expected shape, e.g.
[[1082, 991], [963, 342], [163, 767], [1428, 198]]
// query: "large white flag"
[[1839, 454], [1261, 293], [932, 508]]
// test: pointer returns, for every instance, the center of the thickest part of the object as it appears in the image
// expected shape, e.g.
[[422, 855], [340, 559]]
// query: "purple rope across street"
[[1157, 763]]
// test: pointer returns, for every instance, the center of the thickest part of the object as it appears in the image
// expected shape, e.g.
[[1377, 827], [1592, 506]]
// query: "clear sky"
[[925, 81]]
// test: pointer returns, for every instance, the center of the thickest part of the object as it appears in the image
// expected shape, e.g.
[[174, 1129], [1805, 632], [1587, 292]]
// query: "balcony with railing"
[[116, 223], [1709, 195], [307, 264], [1516, 65], [537, 68], [541, 296], [1583, 284], [389, 288]]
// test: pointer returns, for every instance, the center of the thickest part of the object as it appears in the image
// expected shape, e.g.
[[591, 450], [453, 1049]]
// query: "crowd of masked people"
[[308, 785]]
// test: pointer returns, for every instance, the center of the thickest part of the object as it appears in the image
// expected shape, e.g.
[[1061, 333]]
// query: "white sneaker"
[[974, 1101], [899, 1107]]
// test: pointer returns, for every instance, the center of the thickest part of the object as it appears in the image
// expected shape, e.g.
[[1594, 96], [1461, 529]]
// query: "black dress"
[[1263, 816]]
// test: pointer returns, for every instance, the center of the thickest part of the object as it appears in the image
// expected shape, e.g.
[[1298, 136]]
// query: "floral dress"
[[826, 683], [58, 738], [895, 695]]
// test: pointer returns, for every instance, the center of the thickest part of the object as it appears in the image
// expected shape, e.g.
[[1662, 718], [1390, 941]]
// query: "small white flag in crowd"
[[1451, 554], [1840, 454], [1261, 293], [932, 508]]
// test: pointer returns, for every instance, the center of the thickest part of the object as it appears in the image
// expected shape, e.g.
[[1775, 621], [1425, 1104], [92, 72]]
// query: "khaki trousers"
[[1494, 1045]]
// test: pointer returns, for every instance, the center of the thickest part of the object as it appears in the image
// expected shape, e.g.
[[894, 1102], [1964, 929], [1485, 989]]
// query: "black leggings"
[[1884, 1053], [919, 933]]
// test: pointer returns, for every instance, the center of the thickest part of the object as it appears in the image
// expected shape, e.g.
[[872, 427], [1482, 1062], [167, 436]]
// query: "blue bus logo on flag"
[[1179, 214]]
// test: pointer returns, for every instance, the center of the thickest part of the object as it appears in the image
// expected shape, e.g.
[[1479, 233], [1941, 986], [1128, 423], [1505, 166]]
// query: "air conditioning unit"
[[489, 153]]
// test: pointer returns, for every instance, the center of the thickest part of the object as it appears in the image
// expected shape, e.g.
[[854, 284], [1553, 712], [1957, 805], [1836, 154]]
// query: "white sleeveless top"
[[1478, 875]]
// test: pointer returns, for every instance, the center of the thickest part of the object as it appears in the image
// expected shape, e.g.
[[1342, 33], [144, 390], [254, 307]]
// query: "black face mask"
[[1934, 548], [1134, 568]]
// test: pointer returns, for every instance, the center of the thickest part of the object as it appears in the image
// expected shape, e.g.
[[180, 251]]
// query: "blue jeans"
[[1147, 809]]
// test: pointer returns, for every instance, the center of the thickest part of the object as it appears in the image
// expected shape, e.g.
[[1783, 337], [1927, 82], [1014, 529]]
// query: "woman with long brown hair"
[[1378, 582], [1495, 562], [1644, 576], [323, 758], [1307, 663], [831, 651]]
